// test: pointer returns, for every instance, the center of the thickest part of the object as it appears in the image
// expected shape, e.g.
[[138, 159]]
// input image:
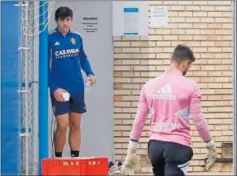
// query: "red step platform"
[[75, 166]]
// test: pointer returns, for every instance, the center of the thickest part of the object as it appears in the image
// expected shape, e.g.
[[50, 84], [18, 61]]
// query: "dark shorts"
[[169, 159], [75, 104]]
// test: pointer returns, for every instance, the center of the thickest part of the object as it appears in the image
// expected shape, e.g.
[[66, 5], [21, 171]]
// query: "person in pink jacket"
[[171, 100]]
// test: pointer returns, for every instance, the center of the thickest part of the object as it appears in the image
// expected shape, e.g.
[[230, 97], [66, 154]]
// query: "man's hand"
[[211, 156], [131, 161], [92, 79], [58, 94]]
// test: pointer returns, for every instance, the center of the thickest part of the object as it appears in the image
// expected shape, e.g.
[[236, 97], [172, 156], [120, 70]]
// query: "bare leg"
[[75, 133], [60, 134]]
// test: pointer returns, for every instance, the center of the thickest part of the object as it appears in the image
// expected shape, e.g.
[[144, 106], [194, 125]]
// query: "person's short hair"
[[182, 52], [63, 12]]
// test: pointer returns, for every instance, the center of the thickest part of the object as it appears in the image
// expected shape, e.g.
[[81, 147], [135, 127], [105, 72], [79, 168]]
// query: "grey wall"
[[97, 123]]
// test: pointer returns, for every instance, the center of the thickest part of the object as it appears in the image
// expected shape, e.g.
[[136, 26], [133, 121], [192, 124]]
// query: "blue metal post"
[[43, 83]]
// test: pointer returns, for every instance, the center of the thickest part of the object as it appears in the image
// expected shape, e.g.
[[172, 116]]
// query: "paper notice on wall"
[[131, 21], [158, 16], [130, 18], [90, 24]]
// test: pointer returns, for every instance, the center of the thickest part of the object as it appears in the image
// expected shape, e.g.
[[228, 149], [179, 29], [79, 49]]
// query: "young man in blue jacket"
[[66, 59]]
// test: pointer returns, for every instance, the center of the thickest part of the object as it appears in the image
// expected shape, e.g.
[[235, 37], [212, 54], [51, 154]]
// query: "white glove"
[[211, 156], [130, 163]]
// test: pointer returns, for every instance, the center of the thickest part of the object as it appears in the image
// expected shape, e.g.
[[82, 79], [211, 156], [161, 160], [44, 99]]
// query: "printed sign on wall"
[[130, 18]]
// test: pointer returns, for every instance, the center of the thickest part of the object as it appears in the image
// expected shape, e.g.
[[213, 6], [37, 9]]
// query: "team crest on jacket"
[[73, 41]]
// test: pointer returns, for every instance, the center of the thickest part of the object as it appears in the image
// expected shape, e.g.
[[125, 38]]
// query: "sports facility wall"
[[205, 26], [118, 61], [10, 84], [20, 110], [93, 20]]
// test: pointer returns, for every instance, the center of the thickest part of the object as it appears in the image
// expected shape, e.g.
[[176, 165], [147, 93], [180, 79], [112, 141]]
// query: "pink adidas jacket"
[[170, 100]]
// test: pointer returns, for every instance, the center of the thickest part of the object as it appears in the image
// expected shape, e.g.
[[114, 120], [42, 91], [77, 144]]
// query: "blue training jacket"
[[66, 59]]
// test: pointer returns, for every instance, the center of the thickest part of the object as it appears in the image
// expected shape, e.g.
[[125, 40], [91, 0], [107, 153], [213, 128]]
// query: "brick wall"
[[205, 26]]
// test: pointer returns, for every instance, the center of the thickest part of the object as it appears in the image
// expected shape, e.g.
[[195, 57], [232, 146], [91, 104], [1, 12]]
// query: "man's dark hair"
[[63, 12], [182, 52]]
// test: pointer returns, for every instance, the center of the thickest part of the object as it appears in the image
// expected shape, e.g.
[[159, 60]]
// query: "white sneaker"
[[114, 169], [120, 164]]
